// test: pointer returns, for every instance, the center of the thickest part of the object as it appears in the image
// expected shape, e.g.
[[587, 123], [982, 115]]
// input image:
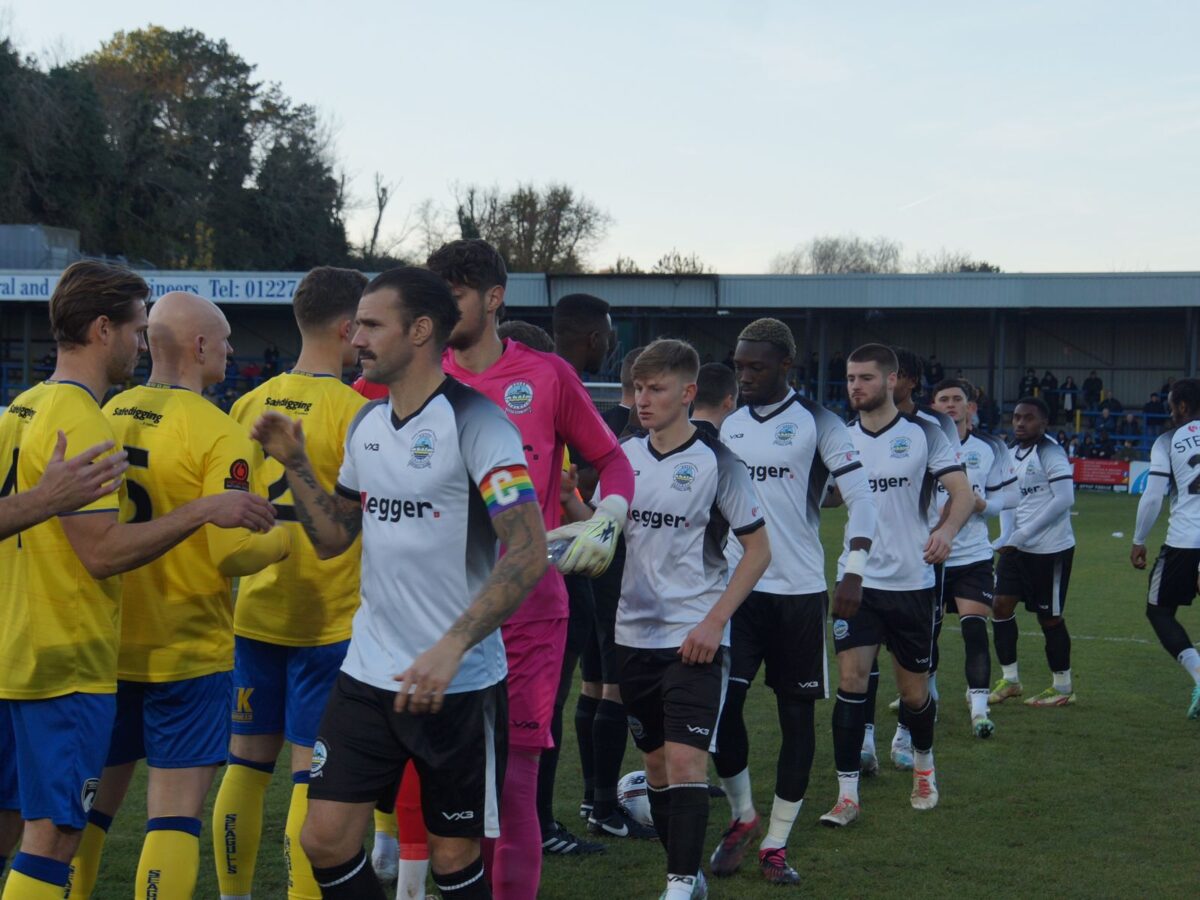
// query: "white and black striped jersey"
[[1037, 467], [685, 502], [989, 469], [903, 461], [429, 486], [790, 452], [1176, 457]]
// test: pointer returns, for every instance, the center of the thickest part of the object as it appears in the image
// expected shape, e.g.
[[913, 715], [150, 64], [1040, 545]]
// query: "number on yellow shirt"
[[138, 496]]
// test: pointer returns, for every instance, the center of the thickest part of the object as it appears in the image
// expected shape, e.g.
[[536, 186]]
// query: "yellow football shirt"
[[303, 601], [177, 616], [59, 626]]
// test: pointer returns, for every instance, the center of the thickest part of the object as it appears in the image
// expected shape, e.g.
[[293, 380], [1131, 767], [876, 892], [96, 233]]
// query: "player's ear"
[[689, 392], [421, 331], [493, 299]]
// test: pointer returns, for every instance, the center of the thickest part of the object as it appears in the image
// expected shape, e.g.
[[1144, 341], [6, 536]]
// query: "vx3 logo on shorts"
[[463, 816], [808, 684], [696, 729]]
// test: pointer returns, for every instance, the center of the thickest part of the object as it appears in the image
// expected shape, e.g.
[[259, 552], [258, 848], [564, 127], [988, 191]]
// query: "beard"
[[870, 403]]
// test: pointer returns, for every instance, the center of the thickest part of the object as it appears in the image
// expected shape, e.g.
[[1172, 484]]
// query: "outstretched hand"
[[282, 438]]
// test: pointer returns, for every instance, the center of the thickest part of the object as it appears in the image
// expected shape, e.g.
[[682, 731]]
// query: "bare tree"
[[839, 255], [383, 194], [675, 263], [625, 265], [946, 261]]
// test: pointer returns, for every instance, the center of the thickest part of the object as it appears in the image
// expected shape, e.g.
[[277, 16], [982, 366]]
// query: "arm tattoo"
[[332, 512], [522, 532]]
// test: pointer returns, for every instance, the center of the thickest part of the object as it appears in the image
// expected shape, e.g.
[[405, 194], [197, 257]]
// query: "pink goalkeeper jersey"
[[548, 403]]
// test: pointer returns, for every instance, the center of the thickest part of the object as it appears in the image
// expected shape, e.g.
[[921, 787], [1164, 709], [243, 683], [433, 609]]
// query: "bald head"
[[189, 340]]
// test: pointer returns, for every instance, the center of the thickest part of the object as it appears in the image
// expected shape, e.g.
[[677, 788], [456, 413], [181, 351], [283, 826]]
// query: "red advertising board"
[[1106, 472]]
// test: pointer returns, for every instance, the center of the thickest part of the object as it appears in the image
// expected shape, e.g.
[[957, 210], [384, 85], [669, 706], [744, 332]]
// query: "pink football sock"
[[516, 867]]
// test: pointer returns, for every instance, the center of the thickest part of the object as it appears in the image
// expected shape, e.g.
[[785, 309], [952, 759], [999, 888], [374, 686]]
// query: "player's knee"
[[1049, 621], [914, 695], [327, 843], [685, 763], [593, 689], [611, 693], [448, 854]]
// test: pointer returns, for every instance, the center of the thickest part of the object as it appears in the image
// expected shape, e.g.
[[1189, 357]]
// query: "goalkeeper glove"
[[593, 542]]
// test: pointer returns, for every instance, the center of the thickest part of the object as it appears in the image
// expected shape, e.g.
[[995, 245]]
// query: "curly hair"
[[771, 331]]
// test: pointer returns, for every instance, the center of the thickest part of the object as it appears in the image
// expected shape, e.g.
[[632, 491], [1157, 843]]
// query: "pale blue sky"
[[1039, 136]]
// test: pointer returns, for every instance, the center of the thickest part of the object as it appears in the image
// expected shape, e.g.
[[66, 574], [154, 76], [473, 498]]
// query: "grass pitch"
[[1096, 800]]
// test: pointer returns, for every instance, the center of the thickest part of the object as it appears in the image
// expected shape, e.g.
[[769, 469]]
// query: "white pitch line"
[[1083, 637]]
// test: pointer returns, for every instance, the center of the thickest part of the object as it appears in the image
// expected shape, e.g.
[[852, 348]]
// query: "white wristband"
[[856, 562]]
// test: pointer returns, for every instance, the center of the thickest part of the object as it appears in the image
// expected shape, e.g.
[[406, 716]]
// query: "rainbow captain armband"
[[506, 487]]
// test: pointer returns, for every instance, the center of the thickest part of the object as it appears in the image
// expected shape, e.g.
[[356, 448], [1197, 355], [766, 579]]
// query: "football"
[[633, 794]]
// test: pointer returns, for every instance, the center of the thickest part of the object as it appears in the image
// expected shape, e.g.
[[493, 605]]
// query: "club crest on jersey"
[[423, 445], [900, 447], [785, 434], [87, 796], [841, 629], [518, 397], [972, 459], [683, 476], [320, 754]]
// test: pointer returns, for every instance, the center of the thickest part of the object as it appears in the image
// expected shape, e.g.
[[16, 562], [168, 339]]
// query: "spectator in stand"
[[271, 362], [1152, 412], [1087, 449], [836, 388], [1030, 384], [1107, 423], [1069, 395], [1061, 439], [1128, 426], [1049, 386], [1126, 452], [1076, 447], [1112, 404], [934, 372], [988, 413], [1105, 448], [1093, 387]]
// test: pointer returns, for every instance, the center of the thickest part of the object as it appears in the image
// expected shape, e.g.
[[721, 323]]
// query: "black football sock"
[[660, 811], [797, 746], [585, 718], [689, 820], [352, 880], [849, 711], [548, 771], [1004, 634], [920, 724], [1058, 646], [610, 732], [467, 883], [978, 657]]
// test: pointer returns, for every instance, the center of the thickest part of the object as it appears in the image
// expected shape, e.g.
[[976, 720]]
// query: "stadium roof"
[[1148, 290]]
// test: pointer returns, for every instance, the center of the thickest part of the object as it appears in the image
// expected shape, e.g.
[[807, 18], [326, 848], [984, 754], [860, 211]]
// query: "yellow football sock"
[[36, 878], [85, 866], [170, 859], [237, 826], [301, 884], [385, 823]]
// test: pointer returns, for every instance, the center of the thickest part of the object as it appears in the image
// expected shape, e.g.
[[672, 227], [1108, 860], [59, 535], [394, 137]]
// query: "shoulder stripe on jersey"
[[1061, 478], [1163, 474], [342, 491], [1000, 486], [748, 529], [362, 414], [838, 473], [946, 471]]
